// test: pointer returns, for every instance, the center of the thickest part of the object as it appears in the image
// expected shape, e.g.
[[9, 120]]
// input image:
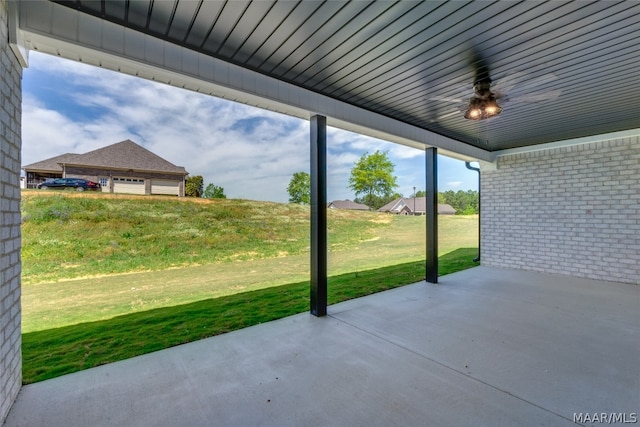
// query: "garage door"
[[128, 185], [163, 186]]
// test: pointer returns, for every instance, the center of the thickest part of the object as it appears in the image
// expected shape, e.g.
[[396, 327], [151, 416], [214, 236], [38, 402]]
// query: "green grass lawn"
[[73, 236], [70, 235], [106, 277], [54, 352]]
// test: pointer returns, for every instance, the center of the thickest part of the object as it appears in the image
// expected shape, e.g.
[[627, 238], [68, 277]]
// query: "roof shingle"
[[121, 155], [348, 204], [52, 164], [414, 204]]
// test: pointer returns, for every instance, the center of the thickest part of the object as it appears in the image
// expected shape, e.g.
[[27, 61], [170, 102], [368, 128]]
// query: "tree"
[[378, 202], [464, 202], [214, 192], [193, 186], [300, 188], [423, 193], [372, 176]]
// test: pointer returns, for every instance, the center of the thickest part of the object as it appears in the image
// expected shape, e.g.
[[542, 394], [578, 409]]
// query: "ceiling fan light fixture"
[[473, 114], [493, 109], [482, 108]]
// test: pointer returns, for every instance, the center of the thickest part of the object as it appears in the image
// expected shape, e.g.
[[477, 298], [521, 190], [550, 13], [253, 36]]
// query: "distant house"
[[414, 206], [347, 204], [124, 167]]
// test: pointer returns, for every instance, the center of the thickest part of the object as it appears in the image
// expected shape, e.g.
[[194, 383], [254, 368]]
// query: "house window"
[[130, 180], [103, 181]]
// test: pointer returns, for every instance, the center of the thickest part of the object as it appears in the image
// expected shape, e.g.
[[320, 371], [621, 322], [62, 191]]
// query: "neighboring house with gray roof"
[[49, 168], [348, 204], [414, 206], [123, 167]]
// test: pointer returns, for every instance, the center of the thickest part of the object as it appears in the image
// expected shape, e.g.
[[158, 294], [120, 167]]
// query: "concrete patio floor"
[[485, 347]]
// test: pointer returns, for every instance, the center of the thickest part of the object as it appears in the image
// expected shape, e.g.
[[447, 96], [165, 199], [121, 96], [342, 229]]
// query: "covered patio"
[[544, 96], [486, 346]]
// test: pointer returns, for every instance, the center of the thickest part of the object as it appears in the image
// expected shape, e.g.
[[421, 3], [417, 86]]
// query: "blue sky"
[[70, 107]]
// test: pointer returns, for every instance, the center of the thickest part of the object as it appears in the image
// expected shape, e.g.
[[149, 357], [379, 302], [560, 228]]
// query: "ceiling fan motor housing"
[[482, 88]]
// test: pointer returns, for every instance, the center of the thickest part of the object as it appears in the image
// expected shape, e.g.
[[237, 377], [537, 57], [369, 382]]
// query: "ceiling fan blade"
[[507, 83], [550, 95], [519, 80], [447, 99], [527, 84], [452, 113], [455, 111], [480, 66]]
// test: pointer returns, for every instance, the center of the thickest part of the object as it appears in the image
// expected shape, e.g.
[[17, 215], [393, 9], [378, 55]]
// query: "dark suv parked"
[[73, 183]]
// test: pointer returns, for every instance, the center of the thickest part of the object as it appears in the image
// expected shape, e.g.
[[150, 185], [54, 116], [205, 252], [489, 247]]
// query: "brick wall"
[[10, 116], [572, 211]]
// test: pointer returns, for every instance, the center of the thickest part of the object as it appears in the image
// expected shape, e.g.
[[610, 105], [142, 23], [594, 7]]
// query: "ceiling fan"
[[489, 97]]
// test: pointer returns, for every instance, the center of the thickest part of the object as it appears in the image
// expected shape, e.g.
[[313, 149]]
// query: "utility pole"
[[414, 201]]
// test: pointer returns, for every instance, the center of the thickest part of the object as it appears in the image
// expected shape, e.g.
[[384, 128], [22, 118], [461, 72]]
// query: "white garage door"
[[128, 185], [163, 186]]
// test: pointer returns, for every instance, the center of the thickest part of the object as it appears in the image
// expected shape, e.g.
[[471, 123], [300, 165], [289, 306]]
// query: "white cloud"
[[252, 153], [47, 133]]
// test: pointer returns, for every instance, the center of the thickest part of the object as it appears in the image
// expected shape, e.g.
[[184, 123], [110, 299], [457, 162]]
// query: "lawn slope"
[[93, 258], [107, 277], [69, 235]]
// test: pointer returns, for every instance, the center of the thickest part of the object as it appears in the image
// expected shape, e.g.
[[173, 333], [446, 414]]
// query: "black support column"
[[431, 165], [468, 165], [318, 216]]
